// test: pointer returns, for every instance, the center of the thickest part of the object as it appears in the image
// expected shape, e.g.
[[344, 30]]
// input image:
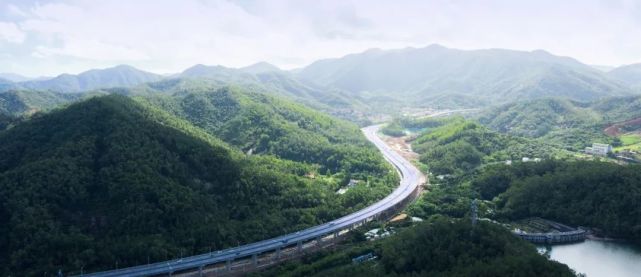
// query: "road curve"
[[410, 180]]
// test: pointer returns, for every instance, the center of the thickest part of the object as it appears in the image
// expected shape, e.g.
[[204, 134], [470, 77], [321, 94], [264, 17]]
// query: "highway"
[[410, 180]]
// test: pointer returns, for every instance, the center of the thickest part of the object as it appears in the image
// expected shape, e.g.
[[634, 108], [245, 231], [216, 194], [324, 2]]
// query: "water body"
[[599, 258]]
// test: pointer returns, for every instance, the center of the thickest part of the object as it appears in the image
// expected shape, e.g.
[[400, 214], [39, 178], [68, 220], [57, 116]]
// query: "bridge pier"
[[277, 253], [228, 265], [254, 260], [319, 239], [299, 246], [200, 270]]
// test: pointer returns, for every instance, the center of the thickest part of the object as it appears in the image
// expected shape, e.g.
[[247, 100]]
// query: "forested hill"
[[6, 121], [267, 79], [260, 124], [440, 246], [112, 181], [440, 76], [628, 74], [457, 146], [594, 194], [118, 76], [573, 124], [26, 102]]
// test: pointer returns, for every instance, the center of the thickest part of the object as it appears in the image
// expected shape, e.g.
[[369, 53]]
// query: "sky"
[[49, 37]]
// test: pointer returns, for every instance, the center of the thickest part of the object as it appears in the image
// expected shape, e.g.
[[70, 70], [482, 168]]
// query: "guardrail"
[[410, 178]]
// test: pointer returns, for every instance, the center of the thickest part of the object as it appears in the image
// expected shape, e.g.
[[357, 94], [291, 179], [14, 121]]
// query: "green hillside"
[[27, 102], [267, 79], [6, 121], [570, 124], [454, 150], [440, 247], [436, 76], [628, 74], [260, 124], [458, 146], [113, 181], [593, 194]]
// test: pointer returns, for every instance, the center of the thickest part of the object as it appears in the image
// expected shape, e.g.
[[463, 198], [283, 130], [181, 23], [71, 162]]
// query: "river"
[[599, 258]]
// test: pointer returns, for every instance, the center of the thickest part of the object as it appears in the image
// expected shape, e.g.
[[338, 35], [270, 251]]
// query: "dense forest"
[[602, 195], [437, 247], [114, 182], [261, 124], [27, 102], [7, 121], [594, 194], [454, 150], [456, 146], [569, 124]]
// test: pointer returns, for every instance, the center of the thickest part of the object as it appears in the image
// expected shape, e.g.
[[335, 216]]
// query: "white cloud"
[[170, 35], [15, 11], [11, 33], [91, 50]]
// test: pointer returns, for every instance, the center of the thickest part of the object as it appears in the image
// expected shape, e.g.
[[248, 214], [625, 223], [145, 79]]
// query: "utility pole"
[[474, 212]]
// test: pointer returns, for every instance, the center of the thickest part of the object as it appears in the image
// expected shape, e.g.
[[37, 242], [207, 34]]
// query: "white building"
[[599, 149]]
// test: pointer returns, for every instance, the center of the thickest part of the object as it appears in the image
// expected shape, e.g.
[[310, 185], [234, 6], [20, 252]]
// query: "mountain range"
[[384, 81], [12, 77], [436, 74], [628, 74], [123, 160], [119, 76], [268, 78]]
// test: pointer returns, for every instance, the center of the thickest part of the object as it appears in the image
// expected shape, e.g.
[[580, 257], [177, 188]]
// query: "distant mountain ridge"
[[12, 77], [118, 76], [421, 75], [269, 79], [384, 81], [628, 74]]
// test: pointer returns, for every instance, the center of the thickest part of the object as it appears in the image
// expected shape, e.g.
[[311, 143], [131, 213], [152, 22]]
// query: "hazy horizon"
[[284, 68], [51, 37]]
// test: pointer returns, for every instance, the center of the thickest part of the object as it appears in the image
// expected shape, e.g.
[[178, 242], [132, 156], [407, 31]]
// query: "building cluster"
[[379, 233]]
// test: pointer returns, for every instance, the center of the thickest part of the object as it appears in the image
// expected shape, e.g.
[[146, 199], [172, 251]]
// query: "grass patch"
[[630, 142]]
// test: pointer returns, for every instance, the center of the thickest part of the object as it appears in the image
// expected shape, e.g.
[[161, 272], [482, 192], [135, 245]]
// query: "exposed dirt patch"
[[401, 146], [619, 128]]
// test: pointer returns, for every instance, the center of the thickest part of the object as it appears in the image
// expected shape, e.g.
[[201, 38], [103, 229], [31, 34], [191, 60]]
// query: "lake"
[[599, 258]]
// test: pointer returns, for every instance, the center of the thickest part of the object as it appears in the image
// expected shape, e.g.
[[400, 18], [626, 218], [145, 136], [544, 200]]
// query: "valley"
[[257, 170]]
